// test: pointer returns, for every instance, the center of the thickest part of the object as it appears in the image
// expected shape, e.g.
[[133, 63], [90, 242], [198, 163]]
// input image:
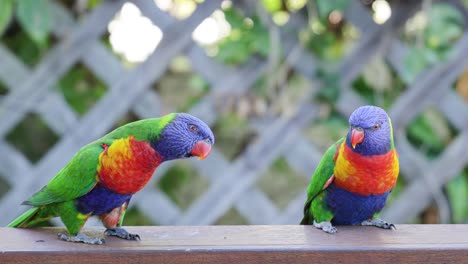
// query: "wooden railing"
[[244, 244]]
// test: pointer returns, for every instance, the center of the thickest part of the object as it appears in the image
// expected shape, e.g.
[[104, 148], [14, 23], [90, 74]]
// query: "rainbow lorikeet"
[[103, 175], [355, 176]]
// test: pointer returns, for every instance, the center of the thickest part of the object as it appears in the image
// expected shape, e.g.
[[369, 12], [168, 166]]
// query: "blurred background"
[[275, 79]]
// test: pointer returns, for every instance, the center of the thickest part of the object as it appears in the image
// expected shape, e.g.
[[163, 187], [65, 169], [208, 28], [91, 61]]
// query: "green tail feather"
[[25, 218]]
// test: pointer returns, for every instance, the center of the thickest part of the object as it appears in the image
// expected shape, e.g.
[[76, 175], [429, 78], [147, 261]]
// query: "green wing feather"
[[76, 179], [322, 173]]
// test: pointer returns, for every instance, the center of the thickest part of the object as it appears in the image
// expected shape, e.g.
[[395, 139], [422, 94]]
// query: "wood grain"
[[244, 244]]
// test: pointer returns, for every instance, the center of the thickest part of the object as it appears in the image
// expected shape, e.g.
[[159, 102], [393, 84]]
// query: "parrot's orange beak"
[[201, 149], [357, 136]]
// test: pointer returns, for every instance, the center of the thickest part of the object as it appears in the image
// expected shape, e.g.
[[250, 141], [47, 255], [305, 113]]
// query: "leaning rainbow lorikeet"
[[352, 181], [103, 175]]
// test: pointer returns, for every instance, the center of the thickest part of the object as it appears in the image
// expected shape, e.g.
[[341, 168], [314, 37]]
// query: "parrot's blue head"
[[183, 137], [370, 131]]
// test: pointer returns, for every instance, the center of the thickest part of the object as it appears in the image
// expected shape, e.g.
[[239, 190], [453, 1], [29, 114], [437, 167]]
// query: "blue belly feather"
[[350, 208], [100, 200]]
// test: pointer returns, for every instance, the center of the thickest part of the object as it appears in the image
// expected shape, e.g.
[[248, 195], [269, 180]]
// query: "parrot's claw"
[[326, 226], [122, 233], [378, 223], [80, 237]]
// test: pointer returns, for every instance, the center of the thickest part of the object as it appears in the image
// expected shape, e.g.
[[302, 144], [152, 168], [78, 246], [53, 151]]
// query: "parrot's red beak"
[[201, 149], [357, 136]]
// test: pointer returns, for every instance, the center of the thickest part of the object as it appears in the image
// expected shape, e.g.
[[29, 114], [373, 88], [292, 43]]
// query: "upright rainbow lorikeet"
[[355, 176], [102, 177]]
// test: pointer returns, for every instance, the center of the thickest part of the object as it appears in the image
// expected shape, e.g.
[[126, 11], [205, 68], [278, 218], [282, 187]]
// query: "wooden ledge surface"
[[244, 244]]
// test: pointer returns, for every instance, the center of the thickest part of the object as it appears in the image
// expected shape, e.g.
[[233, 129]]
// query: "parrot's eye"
[[193, 128], [376, 126]]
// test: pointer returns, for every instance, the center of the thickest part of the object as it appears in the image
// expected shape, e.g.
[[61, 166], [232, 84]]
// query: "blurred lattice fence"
[[232, 187]]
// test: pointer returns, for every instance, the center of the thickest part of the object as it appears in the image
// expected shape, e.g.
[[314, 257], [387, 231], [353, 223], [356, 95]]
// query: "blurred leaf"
[[248, 37], [23, 46], [397, 190], [328, 45], [422, 133], [416, 61], [6, 12], [232, 217], [330, 90], [328, 130], [325, 7], [198, 83], [261, 40], [134, 217], [34, 17], [444, 27], [81, 88], [182, 184], [233, 18], [295, 5], [3, 89], [457, 192], [94, 3], [272, 5], [281, 183], [233, 52], [233, 134], [32, 136], [364, 89], [377, 74]]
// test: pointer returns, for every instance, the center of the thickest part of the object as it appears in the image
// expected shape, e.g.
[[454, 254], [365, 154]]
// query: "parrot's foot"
[[122, 233], [326, 226], [80, 237], [378, 223]]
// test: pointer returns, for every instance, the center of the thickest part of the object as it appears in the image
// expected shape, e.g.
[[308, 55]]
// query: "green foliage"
[[26, 49], [3, 89], [94, 3], [34, 16], [330, 90], [416, 61], [134, 217], [327, 130], [272, 5], [4, 186], [431, 132], [399, 187], [232, 134], [444, 27], [325, 7], [457, 192], [326, 45], [248, 37], [6, 12], [280, 10], [281, 184], [32, 137], [232, 217], [173, 84], [81, 89], [328, 41], [182, 184], [378, 84]]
